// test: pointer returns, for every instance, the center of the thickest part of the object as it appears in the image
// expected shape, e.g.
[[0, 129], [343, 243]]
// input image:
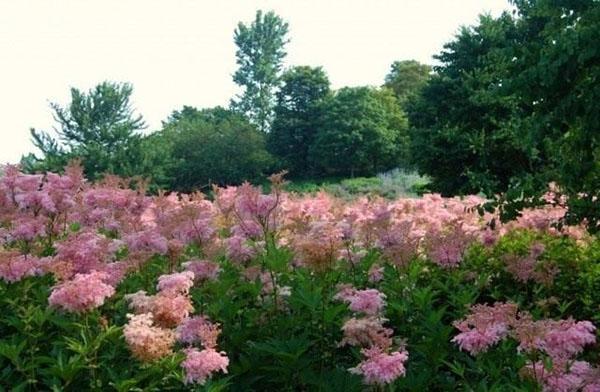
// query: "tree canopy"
[[513, 106], [298, 118], [209, 146], [364, 131], [259, 55], [99, 126], [406, 78]]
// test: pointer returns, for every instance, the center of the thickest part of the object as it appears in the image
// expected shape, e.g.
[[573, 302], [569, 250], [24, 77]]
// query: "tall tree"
[[406, 78], [260, 53], [364, 131], [557, 76], [514, 106], [461, 133], [298, 117], [99, 126]]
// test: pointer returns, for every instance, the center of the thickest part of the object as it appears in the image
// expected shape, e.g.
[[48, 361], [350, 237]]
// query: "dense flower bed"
[[105, 287]]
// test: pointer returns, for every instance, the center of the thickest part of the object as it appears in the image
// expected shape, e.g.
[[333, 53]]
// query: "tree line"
[[511, 106]]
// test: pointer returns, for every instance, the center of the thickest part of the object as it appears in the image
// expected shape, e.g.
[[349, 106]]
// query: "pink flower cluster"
[[572, 377], [199, 329], [82, 293], [485, 326], [558, 340], [81, 253], [167, 309], [35, 206], [176, 283], [380, 365], [366, 332], [199, 365], [530, 267], [14, 267], [239, 249], [203, 269], [147, 240], [102, 231], [170, 310], [146, 341], [369, 302]]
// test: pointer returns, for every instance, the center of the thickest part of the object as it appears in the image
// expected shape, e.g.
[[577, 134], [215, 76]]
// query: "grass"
[[390, 185]]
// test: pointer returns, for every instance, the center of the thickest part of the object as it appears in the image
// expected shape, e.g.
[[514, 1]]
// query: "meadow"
[[104, 287]]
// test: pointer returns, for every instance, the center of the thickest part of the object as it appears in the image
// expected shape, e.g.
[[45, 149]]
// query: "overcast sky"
[[182, 53]]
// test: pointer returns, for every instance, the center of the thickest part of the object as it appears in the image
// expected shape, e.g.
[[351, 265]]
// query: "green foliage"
[[42, 349], [390, 185], [99, 127], [197, 148], [557, 73], [298, 117], [513, 106], [364, 132], [406, 78], [261, 50], [460, 134]]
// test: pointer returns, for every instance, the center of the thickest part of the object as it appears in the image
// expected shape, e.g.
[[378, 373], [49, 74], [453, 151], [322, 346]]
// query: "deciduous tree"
[[298, 117], [260, 52]]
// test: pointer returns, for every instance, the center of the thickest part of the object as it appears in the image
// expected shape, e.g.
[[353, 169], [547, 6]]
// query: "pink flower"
[[319, 248], [561, 339], [398, 242], [148, 240], [200, 365], [27, 228], [366, 332], [345, 293], [562, 377], [253, 204], [146, 341], [84, 292], [179, 282], [379, 367], [171, 310], [375, 273], [446, 247], [370, 302], [238, 250], [568, 337], [140, 302], [84, 252], [203, 269], [475, 341], [524, 268], [199, 329], [489, 237], [115, 272], [16, 267], [485, 326], [247, 229]]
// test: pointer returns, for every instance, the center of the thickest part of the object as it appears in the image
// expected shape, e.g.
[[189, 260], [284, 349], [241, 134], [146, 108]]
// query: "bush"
[[198, 148], [390, 185]]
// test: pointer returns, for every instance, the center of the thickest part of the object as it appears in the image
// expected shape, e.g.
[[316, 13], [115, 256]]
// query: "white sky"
[[181, 52]]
